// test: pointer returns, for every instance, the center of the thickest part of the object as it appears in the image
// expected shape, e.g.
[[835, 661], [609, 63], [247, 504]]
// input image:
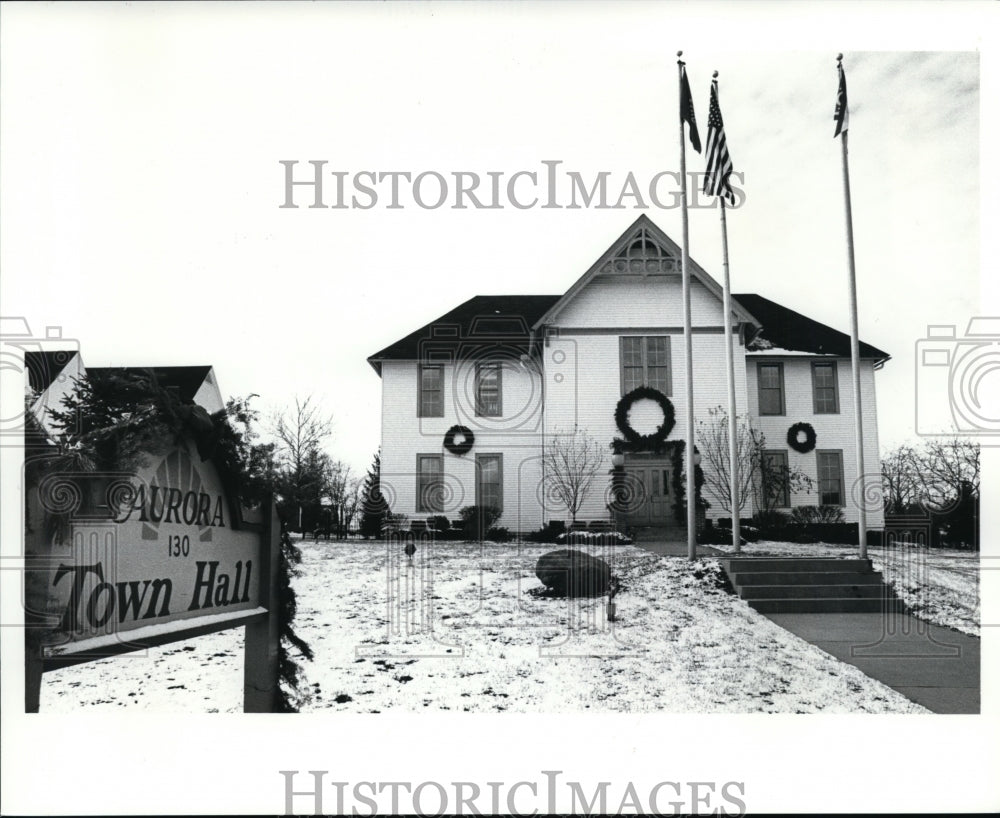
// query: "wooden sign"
[[123, 562]]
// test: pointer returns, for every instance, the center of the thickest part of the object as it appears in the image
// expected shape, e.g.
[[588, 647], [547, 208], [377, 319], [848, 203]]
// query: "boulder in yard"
[[573, 573]]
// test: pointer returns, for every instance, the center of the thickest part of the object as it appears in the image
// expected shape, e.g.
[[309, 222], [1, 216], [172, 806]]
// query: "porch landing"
[[676, 548], [669, 541]]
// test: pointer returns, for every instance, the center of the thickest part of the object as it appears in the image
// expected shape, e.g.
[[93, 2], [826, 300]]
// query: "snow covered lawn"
[[469, 629], [937, 584]]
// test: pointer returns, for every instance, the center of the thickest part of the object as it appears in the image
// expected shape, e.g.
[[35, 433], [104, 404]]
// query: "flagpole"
[[855, 352], [727, 311], [727, 334], [692, 542]]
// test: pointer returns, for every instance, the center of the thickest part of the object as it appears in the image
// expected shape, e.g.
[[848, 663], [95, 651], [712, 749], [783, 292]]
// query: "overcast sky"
[[142, 181], [140, 211]]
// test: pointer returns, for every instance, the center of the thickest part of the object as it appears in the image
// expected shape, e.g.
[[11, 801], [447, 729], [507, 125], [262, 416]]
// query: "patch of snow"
[[771, 350], [468, 628], [586, 537]]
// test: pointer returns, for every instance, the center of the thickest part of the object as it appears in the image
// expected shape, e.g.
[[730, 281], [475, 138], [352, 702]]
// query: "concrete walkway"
[[933, 666]]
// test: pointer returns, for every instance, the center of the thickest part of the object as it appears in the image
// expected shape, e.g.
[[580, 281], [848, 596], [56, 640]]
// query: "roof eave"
[[742, 313]]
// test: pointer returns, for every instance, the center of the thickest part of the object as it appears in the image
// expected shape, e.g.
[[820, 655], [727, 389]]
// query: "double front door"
[[649, 494]]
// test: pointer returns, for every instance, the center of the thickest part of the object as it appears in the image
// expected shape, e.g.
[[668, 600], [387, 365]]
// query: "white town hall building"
[[518, 370]]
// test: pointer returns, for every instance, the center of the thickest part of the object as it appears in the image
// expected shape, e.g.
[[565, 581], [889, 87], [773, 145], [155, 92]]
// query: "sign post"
[[263, 635], [124, 562]]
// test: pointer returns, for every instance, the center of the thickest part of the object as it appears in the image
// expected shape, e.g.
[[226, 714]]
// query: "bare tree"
[[761, 479], [940, 479], [342, 489], [352, 502], [713, 445], [300, 431], [303, 467], [945, 466], [571, 462], [934, 476], [901, 487]]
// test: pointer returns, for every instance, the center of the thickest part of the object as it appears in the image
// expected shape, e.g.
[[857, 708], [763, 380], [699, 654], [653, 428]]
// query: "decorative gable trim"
[[643, 256], [643, 249]]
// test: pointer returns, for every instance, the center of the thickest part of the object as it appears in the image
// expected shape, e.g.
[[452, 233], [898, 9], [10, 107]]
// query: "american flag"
[[840, 114], [719, 164], [687, 110]]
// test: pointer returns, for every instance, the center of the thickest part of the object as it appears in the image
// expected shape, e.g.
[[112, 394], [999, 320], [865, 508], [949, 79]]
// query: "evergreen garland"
[[248, 470], [110, 423], [625, 405], [675, 450], [292, 692]]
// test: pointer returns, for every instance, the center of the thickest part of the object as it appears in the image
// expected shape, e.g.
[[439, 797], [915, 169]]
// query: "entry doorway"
[[650, 495]]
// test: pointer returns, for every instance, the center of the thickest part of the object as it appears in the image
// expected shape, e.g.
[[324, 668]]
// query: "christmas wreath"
[[631, 435], [806, 445], [464, 445]]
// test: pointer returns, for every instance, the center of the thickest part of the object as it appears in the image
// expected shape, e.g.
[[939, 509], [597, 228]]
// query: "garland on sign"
[[804, 446], [291, 685], [466, 443], [112, 423], [655, 439]]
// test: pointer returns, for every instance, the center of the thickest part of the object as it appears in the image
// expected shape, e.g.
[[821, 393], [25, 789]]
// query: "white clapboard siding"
[[635, 301], [516, 435], [576, 384], [833, 431]]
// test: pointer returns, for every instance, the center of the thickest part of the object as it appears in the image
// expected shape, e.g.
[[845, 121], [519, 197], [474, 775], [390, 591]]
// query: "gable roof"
[[186, 379], [499, 321], [506, 321], [511, 322], [44, 366], [786, 329], [642, 225]]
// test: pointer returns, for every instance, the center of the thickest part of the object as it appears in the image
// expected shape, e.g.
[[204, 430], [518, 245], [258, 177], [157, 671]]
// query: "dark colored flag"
[[841, 114], [687, 111], [719, 166]]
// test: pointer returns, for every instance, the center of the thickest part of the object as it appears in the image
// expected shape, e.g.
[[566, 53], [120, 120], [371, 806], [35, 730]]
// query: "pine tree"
[[374, 506]]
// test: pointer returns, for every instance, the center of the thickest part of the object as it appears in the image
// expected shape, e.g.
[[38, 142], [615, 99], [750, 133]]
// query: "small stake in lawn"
[[613, 588]]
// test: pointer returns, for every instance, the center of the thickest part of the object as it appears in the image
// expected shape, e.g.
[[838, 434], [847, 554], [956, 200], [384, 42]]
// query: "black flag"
[[841, 113], [687, 111]]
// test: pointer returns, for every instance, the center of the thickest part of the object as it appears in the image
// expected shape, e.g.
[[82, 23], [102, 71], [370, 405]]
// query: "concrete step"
[[852, 591], [742, 578], [750, 564], [832, 605], [795, 585]]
